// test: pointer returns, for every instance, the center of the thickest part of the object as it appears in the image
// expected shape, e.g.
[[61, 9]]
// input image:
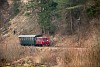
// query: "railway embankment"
[[12, 52], [52, 56]]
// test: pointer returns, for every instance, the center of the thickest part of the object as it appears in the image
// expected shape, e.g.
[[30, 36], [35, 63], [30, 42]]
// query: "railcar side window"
[[32, 38], [27, 38], [22, 38]]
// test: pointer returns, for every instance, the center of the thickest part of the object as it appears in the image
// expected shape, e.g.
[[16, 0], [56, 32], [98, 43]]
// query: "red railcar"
[[45, 41]]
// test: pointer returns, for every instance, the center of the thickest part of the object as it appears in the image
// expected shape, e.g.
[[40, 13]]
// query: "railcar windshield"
[[45, 39], [39, 39]]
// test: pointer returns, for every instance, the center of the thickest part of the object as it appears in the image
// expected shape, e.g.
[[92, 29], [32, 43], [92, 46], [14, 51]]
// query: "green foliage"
[[91, 11], [30, 5], [27, 14], [45, 22], [29, 8], [69, 3], [53, 8], [52, 29], [16, 5], [94, 9], [48, 5], [58, 7], [47, 8]]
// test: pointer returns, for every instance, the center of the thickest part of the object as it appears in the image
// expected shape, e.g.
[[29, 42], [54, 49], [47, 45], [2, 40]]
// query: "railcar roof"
[[26, 35], [42, 37]]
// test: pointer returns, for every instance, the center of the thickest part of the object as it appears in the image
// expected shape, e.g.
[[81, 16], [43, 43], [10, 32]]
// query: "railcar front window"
[[45, 39], [38, 39]]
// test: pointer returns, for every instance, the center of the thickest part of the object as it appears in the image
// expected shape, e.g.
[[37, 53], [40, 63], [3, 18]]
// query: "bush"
[[91, 11], [52, 29], [94, 8]]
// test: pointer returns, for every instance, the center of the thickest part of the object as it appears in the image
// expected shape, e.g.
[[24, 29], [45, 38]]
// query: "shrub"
[[52, 29], [91, 11]]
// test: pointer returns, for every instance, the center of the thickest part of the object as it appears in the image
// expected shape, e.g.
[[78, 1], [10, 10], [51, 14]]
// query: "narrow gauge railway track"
[[53, 47], [49, 47]]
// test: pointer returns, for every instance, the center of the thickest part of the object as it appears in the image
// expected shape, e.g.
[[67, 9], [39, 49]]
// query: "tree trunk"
[[71, 23]]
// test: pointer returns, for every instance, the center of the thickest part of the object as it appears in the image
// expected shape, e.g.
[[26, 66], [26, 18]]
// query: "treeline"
[[66, 16]]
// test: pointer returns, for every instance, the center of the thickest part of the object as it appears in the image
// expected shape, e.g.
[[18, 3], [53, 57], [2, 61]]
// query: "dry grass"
[[73, 42], [64, 59], [60, 57], [95, 56], [69, 56]]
